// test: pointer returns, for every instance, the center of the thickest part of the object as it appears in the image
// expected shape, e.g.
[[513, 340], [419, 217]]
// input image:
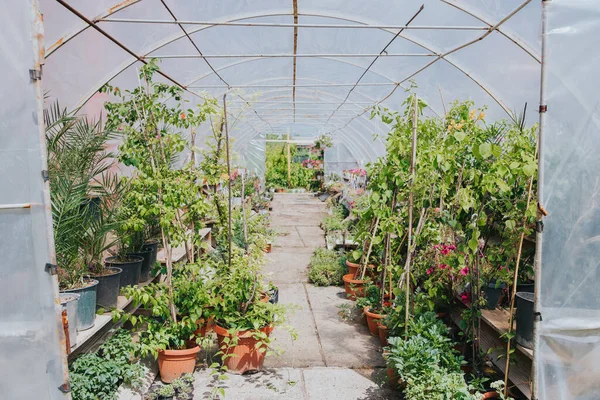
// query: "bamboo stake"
[[366, 259], [229, 177], [514, 288], [244, 221], [289, 160], [410, 213]]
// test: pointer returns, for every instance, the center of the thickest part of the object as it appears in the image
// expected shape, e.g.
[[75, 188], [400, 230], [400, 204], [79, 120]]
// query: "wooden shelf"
[[494, 324]]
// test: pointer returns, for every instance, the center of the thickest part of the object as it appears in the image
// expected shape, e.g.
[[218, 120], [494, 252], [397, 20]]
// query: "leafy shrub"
[[98, 375], [439, 385], [326, 268]]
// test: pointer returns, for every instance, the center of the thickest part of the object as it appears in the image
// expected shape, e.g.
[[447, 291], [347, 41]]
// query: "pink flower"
[[464, 271], [445, 251], [429, 271], [465, 297], [443, 266]]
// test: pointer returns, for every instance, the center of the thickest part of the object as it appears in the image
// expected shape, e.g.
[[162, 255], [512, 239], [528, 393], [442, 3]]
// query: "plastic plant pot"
[[86, 306], [492, 293], [109, 286], [146, 254], [153, 244], [373, 320], [354, 287], [132, 268], [70, 302], [524, 318]]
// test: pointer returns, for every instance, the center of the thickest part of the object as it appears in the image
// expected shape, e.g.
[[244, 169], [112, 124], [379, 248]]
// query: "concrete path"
[[332, 358]]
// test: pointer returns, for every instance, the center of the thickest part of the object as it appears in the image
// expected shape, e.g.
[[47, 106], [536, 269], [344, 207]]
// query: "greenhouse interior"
[[300, 199]]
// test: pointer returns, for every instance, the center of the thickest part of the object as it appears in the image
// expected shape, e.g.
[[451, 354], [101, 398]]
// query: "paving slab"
[[343, 383]]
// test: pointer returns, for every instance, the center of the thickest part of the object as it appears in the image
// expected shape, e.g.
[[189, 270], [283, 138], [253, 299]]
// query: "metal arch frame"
[[174, 38]]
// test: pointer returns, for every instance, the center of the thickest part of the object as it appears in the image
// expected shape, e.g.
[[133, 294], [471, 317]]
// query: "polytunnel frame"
[[104, 17]]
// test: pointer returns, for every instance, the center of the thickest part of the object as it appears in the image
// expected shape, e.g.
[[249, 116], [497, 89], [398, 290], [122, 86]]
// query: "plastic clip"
[[51, 269], [538, 315]]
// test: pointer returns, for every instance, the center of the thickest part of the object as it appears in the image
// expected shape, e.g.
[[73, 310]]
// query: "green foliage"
[[335, 220], [98, 375], [276, 175], [371, 299], [326, 268], [440, 385], [323, 142], [83, 192]]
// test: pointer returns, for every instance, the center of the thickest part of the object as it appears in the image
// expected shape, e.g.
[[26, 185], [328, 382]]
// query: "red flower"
[[429, 271], [182, 115], [443, 266], [465, 297], [464, 271]]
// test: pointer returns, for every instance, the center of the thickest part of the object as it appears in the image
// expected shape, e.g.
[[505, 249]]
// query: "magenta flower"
[[464, 271], [429, 271], [443, 266]]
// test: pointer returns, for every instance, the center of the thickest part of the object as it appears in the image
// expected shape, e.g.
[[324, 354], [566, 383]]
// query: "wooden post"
[[289, 159], [229, 176], [410, 213]]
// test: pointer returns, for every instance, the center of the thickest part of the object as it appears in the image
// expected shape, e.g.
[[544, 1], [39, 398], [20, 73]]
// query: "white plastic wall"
[[32, 359], [569, 333]]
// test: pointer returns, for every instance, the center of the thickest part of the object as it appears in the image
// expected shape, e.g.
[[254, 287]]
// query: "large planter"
[[86, 306], [69, 301], [384, 334], [246, 355], [354, 287], [132, 268], [352, 267], [525, 287], [524, 317], [172, 364], [153, 244], [109, 286], [146, 255], [373, 320], [491, 294]]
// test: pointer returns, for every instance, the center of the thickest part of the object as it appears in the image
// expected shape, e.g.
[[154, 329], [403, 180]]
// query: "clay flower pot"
[[491, 395], [204, 328], [354, 287], [246, 355], [352, 267], [384, 334], [373, 320], [393, 377], [172, 364], [268, 248]]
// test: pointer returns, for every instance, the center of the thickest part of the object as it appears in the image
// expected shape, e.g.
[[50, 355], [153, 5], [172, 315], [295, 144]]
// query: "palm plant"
[[78, 167]]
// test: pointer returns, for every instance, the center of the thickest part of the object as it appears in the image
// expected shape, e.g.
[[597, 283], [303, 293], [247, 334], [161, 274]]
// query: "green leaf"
[[375, 196], [510, 224], [485, 150], [473, 244], [460, 136], [529, 169]]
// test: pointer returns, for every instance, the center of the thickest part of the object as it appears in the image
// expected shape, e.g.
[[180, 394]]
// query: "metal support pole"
[[541, 211], [289, 161]]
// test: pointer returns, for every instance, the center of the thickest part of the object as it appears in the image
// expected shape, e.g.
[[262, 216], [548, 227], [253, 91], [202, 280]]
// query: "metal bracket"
[[45, 175], [538, 315], [65, 387], [543, 108], [539, 226], [35, 74], [51, 269]]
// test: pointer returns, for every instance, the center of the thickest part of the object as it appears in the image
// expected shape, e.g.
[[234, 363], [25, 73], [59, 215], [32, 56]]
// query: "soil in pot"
[[384, 334], [174, 363], [373, 320], [146, 254], [246, 355], [86, 306], [69, 301], [131, 266], [492, 293], [354, 287], [524, 318], [109, 282]]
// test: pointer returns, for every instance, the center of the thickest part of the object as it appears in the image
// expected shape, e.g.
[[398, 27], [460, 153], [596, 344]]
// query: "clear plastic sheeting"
[[321, 72], [32, 354], [568, 351]]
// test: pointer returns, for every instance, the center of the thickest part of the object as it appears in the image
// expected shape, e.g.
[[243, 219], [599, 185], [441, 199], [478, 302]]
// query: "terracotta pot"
[[354, 287], [393, 377], [205, 326], [373, 320], [174, 363], [384, 334], [268, 248], [352, 267], [245, 356], [491, 395]]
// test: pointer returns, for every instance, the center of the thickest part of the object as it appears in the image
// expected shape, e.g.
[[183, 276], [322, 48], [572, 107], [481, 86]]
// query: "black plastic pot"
[[109, 286], [491, 294], [132, 267], [525, 287], [153, 244], [273, 295], [146, 254], [524, 317], [86, 306]]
